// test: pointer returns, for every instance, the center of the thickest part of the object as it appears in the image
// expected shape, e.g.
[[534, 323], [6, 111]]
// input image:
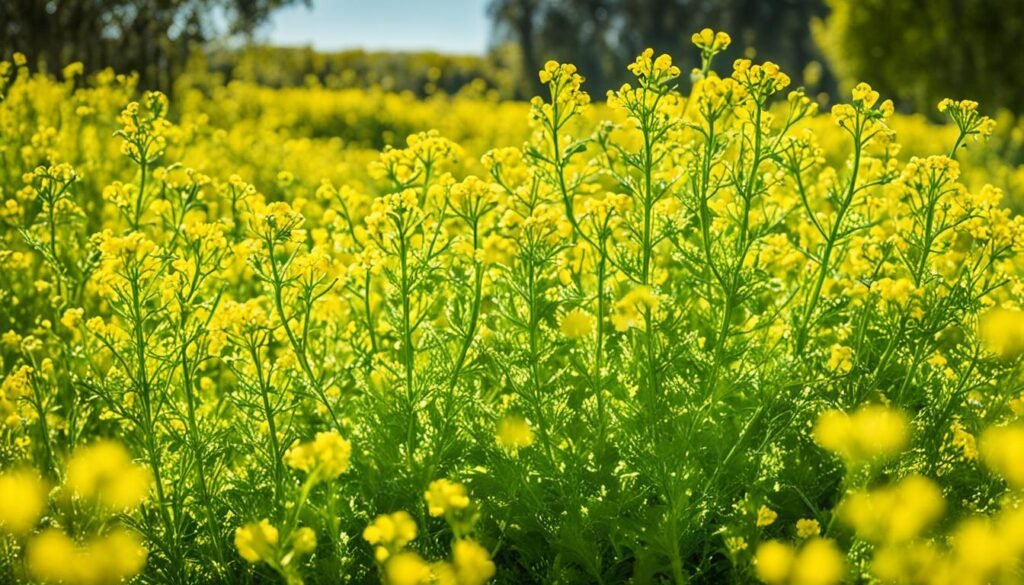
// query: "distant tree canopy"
[[914, 51], [920, 52], [152, 37], [601, 36]]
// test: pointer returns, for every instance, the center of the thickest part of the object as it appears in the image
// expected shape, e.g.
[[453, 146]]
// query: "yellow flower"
[[714, 96], [104, 472], [735, 544], [285, 178], [760, 81], [1001, 449], [11, 339], [256, 541], [965, 115], [329, 454], [870, 432], [22, 501], [304, 540], [766, 516], [17, 384], [710, 41], [1002, 330], [407, 568], [773, 562], [332, 452], [964, 440], [656, 69], [819, 562], [631, 309], [72, 318], [549, 70], [841, 359], [51, 557], [514, 433], [472, 563], [863, 94], [390, 533], [72, 69], [111, 559], [894, 513], [445, 496], [897, 291], [932, 172], [806, 528], [843, 115], [120, 556], [577, 324]]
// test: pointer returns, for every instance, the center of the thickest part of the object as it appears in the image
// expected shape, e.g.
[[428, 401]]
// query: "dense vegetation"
[[698, 332]]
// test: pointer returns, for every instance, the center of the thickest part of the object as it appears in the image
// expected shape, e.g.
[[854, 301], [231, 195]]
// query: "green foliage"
[[921, 52], [598, 36], [152, 37], [694, 334]]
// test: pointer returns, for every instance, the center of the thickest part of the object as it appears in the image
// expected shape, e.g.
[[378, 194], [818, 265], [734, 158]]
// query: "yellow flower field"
[[692, 331]]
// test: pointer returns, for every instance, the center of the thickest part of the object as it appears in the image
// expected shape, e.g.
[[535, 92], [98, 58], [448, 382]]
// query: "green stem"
[[297, 346], [196, 444], [268, 413], [812, 302], [474, 316], [137, 220], [599, 352]]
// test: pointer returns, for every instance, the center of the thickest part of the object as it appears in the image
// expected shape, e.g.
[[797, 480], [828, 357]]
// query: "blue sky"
[[450, 26]]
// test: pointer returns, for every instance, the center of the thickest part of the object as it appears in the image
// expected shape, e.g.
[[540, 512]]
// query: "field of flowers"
[[698, 332]]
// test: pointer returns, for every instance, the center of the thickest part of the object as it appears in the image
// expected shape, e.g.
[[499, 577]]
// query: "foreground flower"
[[818, 562], [893, 513], [471, 565], [257, 541], [105, 472], [22, 501], [1002, 330], [389, 533], [407, 568], [870, 432], [1002, 449], [53, 557]]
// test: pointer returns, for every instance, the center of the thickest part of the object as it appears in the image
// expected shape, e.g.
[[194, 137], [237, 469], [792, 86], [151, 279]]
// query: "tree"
[[152, 37], [599, 35], [921, 52]]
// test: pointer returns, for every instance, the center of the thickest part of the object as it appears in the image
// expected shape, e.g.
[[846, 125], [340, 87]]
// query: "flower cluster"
[[872, 431], [964, 113], [103, 478], [567, 95], [327, 455], [105, 473]]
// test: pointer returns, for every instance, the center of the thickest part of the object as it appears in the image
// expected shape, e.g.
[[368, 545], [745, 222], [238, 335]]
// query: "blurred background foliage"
[[914, 51], [152, 37], [921, 51], [599, 36]]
